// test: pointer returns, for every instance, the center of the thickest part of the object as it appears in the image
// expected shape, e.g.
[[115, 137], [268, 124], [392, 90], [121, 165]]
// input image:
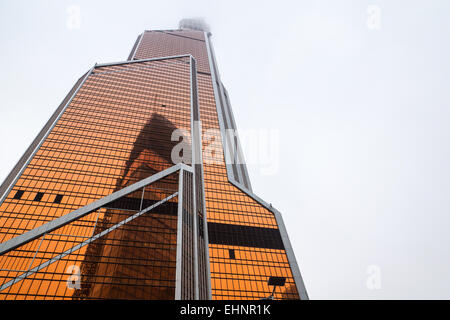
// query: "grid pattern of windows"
[[245, 276], [115, 131], [163, 44], [122, 252]]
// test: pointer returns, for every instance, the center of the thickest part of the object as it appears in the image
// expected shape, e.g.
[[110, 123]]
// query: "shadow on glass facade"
[[145, 252]]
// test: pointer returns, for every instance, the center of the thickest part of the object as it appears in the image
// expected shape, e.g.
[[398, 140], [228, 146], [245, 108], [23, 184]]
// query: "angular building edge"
[[12, 177], [286, 242], [218, 90]]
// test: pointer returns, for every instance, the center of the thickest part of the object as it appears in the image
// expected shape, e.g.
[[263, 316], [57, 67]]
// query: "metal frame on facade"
[[29, 272], [241, 164], [218, 87], [194, 150], [83, 211], [197, 164], [101, 203], [178, 274], [224, 113], [59, 222], [136, 46]]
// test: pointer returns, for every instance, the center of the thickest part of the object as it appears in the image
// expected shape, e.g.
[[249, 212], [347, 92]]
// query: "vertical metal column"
[[201, 247], [179, 237], [195, 150]]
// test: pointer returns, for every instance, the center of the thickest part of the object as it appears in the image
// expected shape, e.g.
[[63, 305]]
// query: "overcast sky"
[[358, 92]]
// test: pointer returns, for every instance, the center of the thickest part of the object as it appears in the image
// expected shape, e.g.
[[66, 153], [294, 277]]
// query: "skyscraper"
[[137, 188]]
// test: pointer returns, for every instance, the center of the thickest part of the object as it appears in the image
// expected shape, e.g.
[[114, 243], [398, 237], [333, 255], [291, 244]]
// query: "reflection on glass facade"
[[198, 233]]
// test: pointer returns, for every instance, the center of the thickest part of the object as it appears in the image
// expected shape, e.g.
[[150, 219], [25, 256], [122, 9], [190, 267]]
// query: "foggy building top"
[[194, 24]]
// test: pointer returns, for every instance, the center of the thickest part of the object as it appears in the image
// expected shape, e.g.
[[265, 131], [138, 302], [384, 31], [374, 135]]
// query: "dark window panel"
[[38, 196], [245, 236], [58, 198], [19, 194]]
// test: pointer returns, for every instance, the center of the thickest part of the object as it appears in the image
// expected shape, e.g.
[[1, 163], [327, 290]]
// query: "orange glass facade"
[[114, 131]]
